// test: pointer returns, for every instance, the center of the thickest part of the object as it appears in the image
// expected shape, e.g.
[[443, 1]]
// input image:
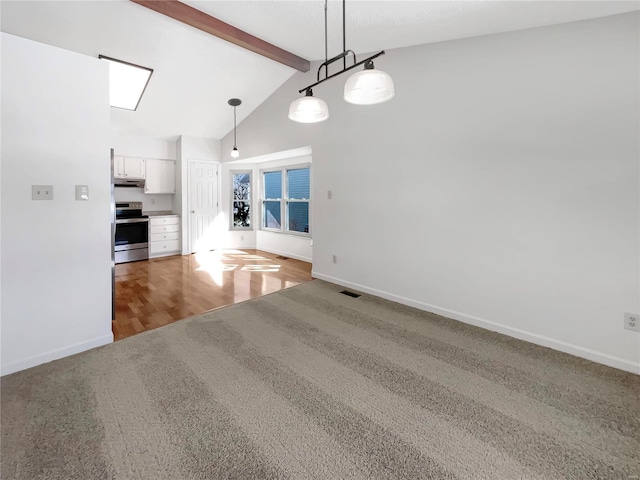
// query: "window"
[[271, 206], [286, 194], [127, 83], [297, 204], [241, 200]]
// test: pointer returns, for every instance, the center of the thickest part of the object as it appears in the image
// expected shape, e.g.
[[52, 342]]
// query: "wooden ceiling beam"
[[202, 21]]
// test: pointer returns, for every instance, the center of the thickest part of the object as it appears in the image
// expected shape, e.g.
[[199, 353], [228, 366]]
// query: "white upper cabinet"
[[128, 167], [161, 176], [134, 167], [118, 166]]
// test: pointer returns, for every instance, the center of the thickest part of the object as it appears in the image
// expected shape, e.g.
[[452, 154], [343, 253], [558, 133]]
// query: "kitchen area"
[[146, 225], [153, 283]]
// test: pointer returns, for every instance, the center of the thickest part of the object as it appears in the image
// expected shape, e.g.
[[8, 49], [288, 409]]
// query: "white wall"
[[293, 246], [56, 255], [499, 187], [143, 147]]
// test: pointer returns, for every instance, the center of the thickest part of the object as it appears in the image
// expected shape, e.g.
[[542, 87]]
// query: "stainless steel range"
[[132, 233]]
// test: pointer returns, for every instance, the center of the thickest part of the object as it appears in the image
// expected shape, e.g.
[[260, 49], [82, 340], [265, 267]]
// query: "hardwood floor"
[[153, 293]]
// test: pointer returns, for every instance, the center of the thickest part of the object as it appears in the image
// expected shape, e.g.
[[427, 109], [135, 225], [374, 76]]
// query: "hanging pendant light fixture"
[[308, 109], [367, 87], [234, 102]]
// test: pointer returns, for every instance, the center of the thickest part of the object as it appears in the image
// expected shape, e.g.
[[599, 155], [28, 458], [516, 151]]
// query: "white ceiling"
[[195, 74], [298, 25]]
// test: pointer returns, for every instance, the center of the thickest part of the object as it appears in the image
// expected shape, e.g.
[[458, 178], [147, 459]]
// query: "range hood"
[[126, 182]]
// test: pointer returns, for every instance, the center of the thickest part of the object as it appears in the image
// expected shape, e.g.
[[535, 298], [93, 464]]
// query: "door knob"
[[193, 211]]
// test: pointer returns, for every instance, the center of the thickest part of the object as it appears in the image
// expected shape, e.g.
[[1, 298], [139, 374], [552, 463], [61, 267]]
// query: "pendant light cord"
[[344, 33], [235, 143], [326, 56]]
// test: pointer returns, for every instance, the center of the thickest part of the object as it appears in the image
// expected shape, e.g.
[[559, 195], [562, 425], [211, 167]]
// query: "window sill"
[[281, 232]]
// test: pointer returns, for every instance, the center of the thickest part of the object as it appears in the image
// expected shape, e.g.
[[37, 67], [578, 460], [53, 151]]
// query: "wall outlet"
[[153, 201], [242, 238], [334, 259], [42, 192], [632, 321], [329, 194]]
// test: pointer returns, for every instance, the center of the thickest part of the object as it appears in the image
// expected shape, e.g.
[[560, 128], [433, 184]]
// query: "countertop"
[[160, 213]]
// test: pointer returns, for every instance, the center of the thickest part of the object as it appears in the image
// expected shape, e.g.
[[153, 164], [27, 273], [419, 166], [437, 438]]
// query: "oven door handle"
[[132, 220]]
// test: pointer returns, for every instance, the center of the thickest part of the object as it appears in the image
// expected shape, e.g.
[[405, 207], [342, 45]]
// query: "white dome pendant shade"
[[369, 86], [308, 109]]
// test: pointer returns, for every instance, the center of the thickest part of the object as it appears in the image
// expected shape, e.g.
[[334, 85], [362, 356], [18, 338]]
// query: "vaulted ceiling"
[[195, 73]]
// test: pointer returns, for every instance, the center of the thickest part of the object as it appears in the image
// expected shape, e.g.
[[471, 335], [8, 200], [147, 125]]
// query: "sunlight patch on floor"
[[214, 266], [261, 268], [252, 257]]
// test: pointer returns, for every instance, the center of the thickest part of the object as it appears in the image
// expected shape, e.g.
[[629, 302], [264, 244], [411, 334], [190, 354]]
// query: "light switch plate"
[[42, 192], [82, 192]]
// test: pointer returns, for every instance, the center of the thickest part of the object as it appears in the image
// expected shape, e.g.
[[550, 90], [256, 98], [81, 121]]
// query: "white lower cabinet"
[[164, 236]]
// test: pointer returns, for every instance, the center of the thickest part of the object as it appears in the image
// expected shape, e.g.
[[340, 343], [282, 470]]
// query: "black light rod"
[[335, 59], [342, 71], [326, 55], [344, 33]]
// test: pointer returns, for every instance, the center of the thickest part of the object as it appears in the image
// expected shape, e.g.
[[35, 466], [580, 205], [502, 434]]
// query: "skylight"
[[127, 83]]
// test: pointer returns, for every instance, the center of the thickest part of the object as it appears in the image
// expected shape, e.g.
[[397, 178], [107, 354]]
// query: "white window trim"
[[284, 221], [252, 212]]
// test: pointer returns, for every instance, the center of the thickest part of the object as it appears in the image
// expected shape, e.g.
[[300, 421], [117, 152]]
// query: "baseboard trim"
[[594, 356], [56, 354], [285, 254]]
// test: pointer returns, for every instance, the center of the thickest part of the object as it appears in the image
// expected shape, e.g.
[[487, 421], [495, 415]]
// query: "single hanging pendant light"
[[308, 109], [369, 86], [234, 102]]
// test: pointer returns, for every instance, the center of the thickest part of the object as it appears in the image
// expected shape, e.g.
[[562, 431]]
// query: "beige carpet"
[[309, 383]]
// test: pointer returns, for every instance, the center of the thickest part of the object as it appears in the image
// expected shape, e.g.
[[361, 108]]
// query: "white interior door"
[[203, 205]]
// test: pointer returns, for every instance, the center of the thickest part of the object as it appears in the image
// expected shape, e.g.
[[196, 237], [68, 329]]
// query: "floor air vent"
[[350, 294], [280, 257]]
